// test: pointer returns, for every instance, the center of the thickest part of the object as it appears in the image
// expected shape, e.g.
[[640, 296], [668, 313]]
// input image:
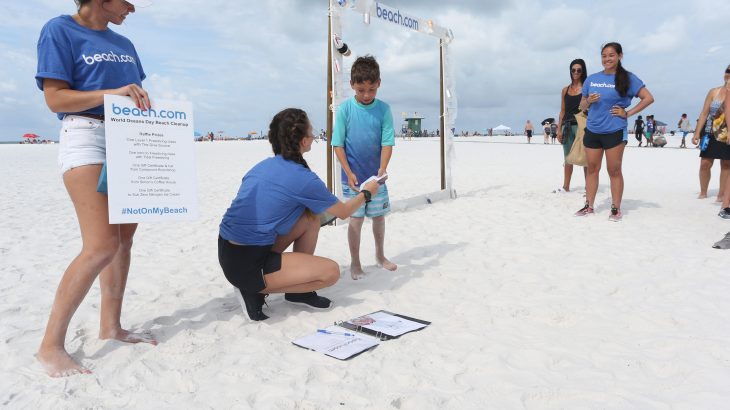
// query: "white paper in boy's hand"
[[374, 178]]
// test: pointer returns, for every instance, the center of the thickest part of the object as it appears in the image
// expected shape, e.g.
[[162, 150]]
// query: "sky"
[[240, 62]]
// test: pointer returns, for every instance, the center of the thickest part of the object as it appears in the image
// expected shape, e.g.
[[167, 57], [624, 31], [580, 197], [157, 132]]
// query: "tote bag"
[[577, 155]]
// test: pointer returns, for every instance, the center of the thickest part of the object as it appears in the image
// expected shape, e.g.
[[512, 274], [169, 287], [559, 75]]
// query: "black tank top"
[[572, 102]]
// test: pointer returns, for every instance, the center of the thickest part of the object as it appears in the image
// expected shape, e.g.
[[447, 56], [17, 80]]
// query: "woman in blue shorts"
[[607, 95], [275, 207], [79, 60]]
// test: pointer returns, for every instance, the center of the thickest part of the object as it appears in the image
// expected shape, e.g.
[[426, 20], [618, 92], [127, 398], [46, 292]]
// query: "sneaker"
[[310, 299], [723, 243], [252, 304], [586, 210], [615, 214], [724, 213]]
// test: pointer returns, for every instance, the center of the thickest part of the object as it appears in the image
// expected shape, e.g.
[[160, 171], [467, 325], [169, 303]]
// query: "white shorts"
[[81, 142]]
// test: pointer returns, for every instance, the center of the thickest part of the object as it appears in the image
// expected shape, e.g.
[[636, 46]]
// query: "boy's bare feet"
[[58, 363], [701, 196], [128, 337], [386, 264], [356, 272], [718, 199]]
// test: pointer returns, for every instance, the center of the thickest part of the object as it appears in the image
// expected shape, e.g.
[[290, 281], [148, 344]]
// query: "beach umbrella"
[[548, 121], [252, 132], [31, 136], [197, 134]]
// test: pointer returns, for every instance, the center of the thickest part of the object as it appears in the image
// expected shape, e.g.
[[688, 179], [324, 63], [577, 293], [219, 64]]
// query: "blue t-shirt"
[[272, 197], [86, 59], [363, 130], [600, 120]]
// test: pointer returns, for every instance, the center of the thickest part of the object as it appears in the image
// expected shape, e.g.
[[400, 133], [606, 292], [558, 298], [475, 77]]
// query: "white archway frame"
[[336, 82]]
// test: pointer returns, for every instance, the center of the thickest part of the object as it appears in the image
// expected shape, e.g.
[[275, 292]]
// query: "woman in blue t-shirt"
[[79, 60], [607, 96], [275, 207]]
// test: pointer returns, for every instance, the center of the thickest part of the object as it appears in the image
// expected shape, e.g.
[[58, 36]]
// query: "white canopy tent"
[[501, 130]]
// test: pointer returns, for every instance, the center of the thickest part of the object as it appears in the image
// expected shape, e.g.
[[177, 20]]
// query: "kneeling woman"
[[274, 208]]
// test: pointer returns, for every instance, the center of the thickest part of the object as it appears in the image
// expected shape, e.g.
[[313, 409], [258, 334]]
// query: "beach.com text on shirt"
[[394, 16], [109, 57]]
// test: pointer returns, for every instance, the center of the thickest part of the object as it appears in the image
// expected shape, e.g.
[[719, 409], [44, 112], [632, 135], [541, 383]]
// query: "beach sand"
[[532, 308]]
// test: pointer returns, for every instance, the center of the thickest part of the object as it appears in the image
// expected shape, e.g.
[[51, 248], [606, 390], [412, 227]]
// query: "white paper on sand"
[[373, 178], [387, 324], [336, 344]]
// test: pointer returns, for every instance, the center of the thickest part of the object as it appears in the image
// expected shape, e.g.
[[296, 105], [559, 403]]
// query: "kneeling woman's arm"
[[343, 210]]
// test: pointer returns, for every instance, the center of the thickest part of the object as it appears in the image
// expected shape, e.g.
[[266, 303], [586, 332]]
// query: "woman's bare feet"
[[356, 272], [128, 337], [58, 363], [701, 196], [718, 199], [386, 264]]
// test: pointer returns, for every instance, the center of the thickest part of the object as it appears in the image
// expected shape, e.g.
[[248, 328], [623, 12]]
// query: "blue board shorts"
[[378, 206]]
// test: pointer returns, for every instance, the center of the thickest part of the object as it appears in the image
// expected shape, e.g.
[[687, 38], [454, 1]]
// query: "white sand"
[[531, 307]]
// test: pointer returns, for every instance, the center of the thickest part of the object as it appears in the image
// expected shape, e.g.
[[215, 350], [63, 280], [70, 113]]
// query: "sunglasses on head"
[[576, 70]]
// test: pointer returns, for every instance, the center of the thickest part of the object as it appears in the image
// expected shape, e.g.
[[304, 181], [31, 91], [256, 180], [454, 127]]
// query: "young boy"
[[363, 141]]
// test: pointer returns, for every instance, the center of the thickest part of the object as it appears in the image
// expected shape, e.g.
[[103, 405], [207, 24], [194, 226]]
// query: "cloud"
[[241, 62], [669, 36]]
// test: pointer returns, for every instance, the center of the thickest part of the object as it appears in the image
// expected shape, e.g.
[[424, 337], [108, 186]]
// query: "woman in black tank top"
[[568, 108]]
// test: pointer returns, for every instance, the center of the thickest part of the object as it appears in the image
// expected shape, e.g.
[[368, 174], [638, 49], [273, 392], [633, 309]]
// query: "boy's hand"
[[352, 181], [382, 171]]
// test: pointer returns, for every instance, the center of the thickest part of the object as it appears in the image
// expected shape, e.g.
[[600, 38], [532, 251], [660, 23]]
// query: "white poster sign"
[[150, 161]]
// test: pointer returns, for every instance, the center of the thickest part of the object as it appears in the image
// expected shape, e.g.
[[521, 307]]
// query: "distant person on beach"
[[607, 95], [639, 130], [553, 132], [274, 208], [650, 129], [528, 130], [710, 148], [685, 127], [363, 140], [74, 84], [546, 133], [569, 107]]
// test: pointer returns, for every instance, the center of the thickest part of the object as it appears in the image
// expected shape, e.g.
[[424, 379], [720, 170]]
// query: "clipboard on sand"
[[384, 325], [347, 339], [337, 342]]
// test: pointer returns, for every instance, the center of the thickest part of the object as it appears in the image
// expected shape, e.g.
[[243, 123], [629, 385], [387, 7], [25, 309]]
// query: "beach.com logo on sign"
[[152, 113], [395, 17]]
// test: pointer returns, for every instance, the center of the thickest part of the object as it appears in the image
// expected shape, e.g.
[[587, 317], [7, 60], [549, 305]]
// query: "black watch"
[[368, 195]]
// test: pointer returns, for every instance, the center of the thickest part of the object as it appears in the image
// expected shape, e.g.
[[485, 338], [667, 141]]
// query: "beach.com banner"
[[394, 16]]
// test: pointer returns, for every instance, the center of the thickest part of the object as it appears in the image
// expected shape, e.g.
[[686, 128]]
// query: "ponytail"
[[622, 80], [286, 132]]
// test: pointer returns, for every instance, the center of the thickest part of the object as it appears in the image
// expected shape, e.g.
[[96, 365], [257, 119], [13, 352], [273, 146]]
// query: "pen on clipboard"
[[328, 332]]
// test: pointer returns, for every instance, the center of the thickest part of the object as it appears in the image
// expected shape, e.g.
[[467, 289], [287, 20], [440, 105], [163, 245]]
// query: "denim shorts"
[[378, 206], [81, 142]]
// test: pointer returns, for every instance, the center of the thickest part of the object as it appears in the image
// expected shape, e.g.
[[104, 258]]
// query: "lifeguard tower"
[[412, 123]]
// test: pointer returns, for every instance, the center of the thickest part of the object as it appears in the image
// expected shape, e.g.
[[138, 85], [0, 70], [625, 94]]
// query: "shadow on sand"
[[411, 265]]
